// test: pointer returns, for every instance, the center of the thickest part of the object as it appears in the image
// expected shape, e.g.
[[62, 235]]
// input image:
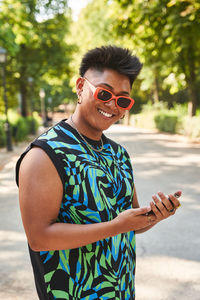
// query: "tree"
[[93, 28], [168, 38], [184, 42], [38, 30]]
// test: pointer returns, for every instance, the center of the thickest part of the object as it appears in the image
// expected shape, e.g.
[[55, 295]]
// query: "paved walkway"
[[168, 257]]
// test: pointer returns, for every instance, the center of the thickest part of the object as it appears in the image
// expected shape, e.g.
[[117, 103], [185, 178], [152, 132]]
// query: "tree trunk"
[[23, 90], [23, 80], [192, 104], [191, 82], [156, 89]]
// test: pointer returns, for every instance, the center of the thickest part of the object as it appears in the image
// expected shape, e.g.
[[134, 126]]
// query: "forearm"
[[60, 236]]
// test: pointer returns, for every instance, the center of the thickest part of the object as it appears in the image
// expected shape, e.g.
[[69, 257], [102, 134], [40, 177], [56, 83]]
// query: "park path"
[[168, 256]]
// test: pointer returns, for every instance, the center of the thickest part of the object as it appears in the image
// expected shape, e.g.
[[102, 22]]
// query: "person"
[[77, 195]]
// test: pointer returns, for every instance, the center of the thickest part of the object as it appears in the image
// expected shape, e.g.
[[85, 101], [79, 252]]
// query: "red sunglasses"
[[104, 95]]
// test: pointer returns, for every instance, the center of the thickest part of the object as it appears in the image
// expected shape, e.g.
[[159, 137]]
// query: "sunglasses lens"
[[123, 102], [104, 95]]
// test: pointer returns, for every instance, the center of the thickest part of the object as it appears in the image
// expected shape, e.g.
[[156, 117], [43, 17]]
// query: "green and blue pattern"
[[97, 187]]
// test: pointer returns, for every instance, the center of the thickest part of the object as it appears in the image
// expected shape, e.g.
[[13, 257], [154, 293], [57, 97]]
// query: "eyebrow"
[[109, 86]]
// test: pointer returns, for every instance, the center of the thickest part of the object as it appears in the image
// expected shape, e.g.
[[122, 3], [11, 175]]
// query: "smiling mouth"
[[105, 114]]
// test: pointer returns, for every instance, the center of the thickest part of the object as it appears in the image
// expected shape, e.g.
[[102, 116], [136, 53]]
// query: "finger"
[[166, 202], [141, 210], [160, 206], [174, 201], [155, 210]]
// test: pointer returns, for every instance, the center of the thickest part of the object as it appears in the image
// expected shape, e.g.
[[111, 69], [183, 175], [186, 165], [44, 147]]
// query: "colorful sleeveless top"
[[97, 187]]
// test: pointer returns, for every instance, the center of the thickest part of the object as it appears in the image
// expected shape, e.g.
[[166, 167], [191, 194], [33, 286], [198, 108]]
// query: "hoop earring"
[[79, 99]]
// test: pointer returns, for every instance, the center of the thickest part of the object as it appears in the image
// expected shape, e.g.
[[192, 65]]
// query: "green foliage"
[[94, 28], [167, 37], [156, 107], [2, 134], [34, 34], [174, 120], [19, 129], [35, 119], [20, 126], [43, 43], [143, 120], [166, 121], [190, 126]]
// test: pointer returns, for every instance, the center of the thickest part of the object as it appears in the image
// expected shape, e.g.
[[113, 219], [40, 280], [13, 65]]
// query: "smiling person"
[[76, 189]]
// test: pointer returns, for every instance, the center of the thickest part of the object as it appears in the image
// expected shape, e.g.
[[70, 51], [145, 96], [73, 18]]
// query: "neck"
[[85, 128]]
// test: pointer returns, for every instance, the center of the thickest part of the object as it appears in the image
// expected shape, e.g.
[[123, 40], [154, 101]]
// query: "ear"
[[79, 85]]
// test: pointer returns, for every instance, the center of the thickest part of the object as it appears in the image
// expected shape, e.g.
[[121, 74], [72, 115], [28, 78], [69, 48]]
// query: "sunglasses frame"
[[95, 91]]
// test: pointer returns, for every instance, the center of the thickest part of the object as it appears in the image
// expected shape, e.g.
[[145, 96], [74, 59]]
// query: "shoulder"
[[49, 149], [37, 172], [61, 134], [55, 131], [36, 162]]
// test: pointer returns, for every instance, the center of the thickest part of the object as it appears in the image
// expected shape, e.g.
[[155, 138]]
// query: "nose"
[[111, 104]]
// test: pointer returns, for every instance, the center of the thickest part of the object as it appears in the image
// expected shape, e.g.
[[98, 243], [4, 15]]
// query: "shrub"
[[156, 107], [166, 121], [20, 127], [36, 120], [174, 120], [143, 120], [190, 126]]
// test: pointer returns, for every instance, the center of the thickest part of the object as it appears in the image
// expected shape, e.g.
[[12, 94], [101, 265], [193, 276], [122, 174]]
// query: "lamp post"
[[30, 81], [3, 56]]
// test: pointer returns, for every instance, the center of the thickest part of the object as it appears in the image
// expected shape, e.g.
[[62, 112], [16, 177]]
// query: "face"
[[96, 114]]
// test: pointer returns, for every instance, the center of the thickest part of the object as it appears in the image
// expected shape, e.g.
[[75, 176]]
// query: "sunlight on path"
[[168, 261], [167, 278]]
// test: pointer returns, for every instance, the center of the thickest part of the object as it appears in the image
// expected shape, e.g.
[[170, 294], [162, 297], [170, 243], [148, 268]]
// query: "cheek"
[[85, 95], [122, 112], [88, 98]]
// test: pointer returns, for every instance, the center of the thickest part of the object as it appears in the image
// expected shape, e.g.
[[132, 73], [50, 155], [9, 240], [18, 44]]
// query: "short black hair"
[[112, 57]]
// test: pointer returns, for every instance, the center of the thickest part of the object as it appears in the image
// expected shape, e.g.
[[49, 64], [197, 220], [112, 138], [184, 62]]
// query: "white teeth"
[[105, 113]]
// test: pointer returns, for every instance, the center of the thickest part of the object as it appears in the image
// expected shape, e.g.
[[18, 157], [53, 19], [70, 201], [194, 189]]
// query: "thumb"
[[141, 210]]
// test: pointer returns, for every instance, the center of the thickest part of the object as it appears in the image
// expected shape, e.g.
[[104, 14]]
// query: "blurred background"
[[42, 43], [41, 46]]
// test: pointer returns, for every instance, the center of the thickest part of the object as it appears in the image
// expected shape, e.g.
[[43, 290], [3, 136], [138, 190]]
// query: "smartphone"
[[177, 195]]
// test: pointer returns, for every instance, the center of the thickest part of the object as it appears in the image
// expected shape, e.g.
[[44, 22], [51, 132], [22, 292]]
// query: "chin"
[[104, 123], [106, 126]]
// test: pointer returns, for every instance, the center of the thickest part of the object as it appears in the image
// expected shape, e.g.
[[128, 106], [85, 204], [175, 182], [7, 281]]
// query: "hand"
[[166, 206], [134, 219]]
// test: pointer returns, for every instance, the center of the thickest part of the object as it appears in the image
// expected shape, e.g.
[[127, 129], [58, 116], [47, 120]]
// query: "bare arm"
[[159, 210], [40, 196]]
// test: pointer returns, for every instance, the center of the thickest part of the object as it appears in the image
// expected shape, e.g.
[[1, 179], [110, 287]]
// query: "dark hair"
[[112, 57]]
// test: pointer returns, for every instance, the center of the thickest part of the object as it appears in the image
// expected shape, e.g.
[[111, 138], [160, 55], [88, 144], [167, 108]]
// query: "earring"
[[79, 99]]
